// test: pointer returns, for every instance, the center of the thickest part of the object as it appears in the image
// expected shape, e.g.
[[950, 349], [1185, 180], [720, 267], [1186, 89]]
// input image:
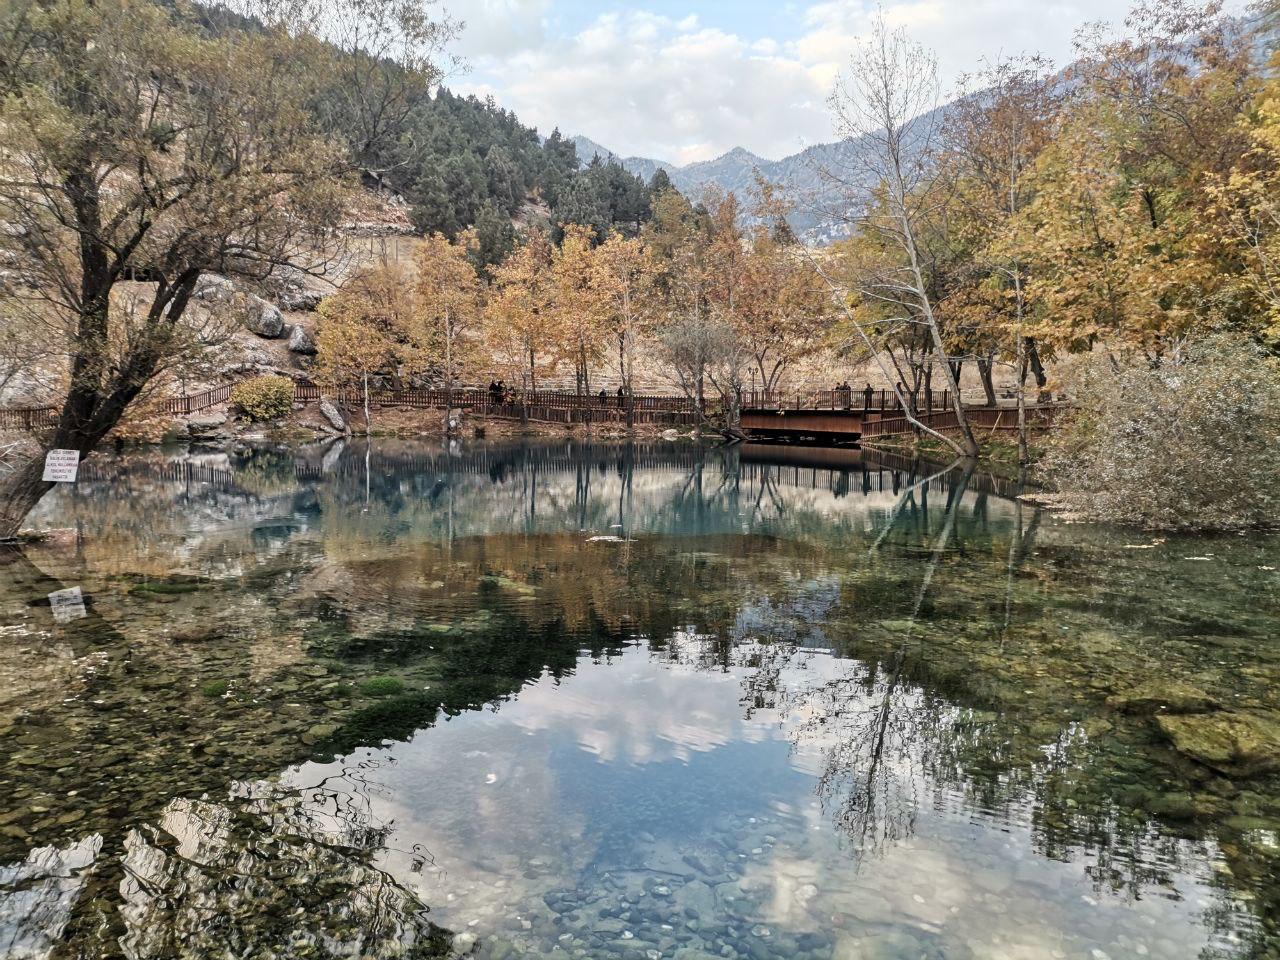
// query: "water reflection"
[[623, 701]]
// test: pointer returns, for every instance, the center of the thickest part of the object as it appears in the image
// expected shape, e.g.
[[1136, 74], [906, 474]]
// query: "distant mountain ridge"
[[800, 175]]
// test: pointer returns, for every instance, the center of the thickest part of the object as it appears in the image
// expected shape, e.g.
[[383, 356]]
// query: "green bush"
[[1191, 442], [382, 686], [215, 688], [264, 398]]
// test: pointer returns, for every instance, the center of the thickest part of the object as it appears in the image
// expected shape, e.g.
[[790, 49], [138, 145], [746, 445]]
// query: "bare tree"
[[886, 104]]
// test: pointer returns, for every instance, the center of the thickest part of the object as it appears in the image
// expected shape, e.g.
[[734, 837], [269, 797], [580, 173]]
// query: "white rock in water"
[[670, 434], [300, 340]]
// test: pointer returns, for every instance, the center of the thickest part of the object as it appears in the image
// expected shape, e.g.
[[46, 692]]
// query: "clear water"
[[635, 702]]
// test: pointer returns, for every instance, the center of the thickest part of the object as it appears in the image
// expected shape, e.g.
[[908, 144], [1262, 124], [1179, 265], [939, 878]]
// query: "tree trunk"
[[985, 365], [20, 491], [1037, 368], [1024, 455], [366, 404]]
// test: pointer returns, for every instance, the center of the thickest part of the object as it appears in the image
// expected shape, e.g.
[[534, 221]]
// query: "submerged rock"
[[1239, 743], [1169, 696]]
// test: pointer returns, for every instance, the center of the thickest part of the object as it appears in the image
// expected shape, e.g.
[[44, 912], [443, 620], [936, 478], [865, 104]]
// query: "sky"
[[682, 81]]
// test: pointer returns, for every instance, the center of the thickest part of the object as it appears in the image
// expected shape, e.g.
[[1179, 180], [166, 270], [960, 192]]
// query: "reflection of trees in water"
[[269, 872], [878, 736]]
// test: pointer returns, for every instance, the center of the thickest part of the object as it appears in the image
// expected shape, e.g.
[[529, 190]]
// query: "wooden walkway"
[[823, 416]]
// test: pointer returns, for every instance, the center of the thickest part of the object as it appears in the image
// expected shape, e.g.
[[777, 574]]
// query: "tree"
[[1127, 244], [359, 327], [448, 308], [495, 238], [137, 147], [520, 323], [995, 136], [783, 304], [579, 325], [887, 103], [622, 281], [373, 62], [678, 241]]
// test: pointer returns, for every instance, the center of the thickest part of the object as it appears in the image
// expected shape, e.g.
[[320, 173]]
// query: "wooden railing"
[[561, 407], [981, 420], [544, 405], [836, 399], [28, 418], [436, 398]]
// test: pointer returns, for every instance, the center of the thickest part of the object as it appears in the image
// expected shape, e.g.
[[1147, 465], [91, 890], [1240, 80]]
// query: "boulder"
[[301, 341], [264, 319], [291, 289], [205, 424], [670, 434], [212, 288], [1163, 696], [330, 413], [1234, 743], [299, 298], [453, 422]]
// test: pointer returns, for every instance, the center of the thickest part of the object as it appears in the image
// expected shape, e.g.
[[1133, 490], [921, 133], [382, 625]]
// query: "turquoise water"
[[627, 701]]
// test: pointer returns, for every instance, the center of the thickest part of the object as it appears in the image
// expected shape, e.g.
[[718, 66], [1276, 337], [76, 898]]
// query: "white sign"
[[62, 466], [67, 605]]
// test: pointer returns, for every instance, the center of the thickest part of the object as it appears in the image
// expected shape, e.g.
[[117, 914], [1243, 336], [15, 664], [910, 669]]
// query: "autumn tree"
[[576, 309], [445, 318], [995, 133], [688, 331], [623, 283], [519, 321], [783, 305], [1125, 246], [361, 329], [138, 148]]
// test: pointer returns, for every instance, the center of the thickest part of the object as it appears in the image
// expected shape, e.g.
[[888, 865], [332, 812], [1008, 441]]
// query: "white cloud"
[[500, 28], [683, 90]]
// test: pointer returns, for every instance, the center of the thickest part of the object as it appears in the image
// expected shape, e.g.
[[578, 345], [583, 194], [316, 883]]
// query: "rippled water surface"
[[627, 701]]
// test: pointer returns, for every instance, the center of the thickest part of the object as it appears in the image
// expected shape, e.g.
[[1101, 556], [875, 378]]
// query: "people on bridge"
[[622, 396], [867, 394], [603, 396], [845, 395]]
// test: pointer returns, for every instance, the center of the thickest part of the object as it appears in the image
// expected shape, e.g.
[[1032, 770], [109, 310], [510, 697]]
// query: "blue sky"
[[681, 81]]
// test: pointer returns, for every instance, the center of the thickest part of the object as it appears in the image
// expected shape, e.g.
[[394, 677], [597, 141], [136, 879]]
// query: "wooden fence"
[[989, 420], [864, 399]]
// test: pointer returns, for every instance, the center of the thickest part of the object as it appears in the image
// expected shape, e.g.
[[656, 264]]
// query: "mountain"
[[642, 167], [816, 180], [803, 177]]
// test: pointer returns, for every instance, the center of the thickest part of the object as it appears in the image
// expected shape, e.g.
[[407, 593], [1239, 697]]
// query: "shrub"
[[264, 398], [1190, 443], [215, 688], [382, 686]]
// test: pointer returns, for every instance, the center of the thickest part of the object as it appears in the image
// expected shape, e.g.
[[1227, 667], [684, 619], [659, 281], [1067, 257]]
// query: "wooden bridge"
[[827, 417]]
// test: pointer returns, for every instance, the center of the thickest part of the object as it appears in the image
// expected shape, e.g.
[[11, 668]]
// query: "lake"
[[627, 701]]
